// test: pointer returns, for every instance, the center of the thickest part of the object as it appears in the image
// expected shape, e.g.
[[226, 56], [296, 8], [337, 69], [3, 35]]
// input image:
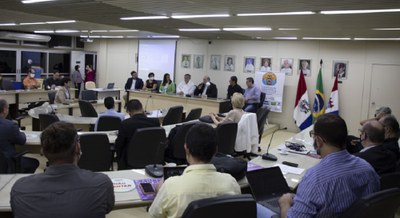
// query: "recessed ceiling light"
[[35, 1], [98, 31], [145, 18], [388, 29], [377, 39], [33, 23], [288, 29], [61, 21], [248, 29], [67, 31], [276, 14], [199, 16], [123, 31], [258, 37], [361, 11], [43, 31], [169, 36], [286, 37], [112, 37], [8, 24], [200, 30], [326, 38]]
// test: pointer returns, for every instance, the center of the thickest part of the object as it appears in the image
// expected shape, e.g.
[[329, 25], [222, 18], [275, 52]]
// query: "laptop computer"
[[110, 86], [267, 186]]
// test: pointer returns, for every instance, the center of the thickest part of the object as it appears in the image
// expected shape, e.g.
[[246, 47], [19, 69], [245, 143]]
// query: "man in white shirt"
[[110, 105], [199, 180], [186, 87]]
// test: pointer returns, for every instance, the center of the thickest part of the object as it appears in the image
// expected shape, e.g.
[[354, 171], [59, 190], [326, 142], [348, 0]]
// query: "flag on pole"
[[319, 105], [333, 104], [302, 113]]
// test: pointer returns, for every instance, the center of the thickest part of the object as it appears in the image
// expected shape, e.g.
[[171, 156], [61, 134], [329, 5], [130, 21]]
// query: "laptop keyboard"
[[274, 203]]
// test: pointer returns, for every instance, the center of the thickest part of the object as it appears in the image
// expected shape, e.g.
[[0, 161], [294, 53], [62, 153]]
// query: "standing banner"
[[272, 85]]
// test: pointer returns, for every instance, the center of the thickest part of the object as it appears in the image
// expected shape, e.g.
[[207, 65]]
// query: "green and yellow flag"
[[319, 108]]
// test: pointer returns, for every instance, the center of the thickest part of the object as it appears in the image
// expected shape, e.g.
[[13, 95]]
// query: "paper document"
[[289, 169]]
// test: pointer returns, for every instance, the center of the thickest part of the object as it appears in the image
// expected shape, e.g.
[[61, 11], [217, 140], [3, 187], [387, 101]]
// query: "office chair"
[[173, 116], [175, 152], [262, 116], [46, 120], [194, 114], [87, 109], [147, 146], [232, 206], [390, 180], [52, 96], [90, 85], [96, 153], [262, 99], [88, 95], [382, 204], [226, 137], [108, 123]]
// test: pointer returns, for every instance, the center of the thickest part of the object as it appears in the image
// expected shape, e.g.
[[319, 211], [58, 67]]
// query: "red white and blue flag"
[[302, 112], [333, 104]]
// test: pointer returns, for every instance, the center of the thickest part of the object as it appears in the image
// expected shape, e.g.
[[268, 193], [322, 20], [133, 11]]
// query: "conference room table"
[[102, 93]]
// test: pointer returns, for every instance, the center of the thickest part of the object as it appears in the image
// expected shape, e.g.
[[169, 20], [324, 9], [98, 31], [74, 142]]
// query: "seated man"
[[110, 105], [379, 113], [63, 95], [233, 87], [206, 88], [372, 137], [63, 190], [392, 134], [52, 82], [128, 128], [133, 83], [186, 87], [30, 82], [199, 180], [9, 136], [335, 183], [251, 96]]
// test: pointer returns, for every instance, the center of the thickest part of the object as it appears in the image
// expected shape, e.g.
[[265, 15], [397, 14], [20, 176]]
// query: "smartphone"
[[147, 188]]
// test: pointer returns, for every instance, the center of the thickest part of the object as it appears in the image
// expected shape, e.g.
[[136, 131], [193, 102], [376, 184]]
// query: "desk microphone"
[[268, 156], [52, 110], [147, 101]]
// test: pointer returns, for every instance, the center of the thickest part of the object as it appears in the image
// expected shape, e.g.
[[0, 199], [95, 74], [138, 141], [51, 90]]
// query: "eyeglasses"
[[361, 130], [312, 134]]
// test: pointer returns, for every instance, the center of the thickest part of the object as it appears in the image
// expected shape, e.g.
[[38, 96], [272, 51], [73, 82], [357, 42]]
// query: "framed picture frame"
[[249, 64], [286, 66], [229, 63], [215, 62], [186, 60], [198, 61], [305, 65], [266, 64], [340, 68]]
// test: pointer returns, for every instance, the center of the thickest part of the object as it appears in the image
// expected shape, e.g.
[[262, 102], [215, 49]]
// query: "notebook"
[[267, 186]]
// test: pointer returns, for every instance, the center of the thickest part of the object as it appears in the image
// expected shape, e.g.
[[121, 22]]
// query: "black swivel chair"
[[390, 180], [52, 96], [382, 204], [194, 114], [46, 120], [108, 123], [232, 206], [262, 99], [262, 115], [176, 151], [88, 95], [87, 109], [147, 146], [226, 137], [96, 153], [173, 116]]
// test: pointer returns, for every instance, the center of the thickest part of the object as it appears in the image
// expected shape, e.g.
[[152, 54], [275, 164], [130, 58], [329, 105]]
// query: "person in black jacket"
[[233, 87], [134, 83], [128, 128], [206, 88], [392, 134]]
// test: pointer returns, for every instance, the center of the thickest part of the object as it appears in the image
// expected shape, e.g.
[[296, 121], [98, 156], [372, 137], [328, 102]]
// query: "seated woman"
[[150, 84], [63, 95], [167, 86], [233, 115]]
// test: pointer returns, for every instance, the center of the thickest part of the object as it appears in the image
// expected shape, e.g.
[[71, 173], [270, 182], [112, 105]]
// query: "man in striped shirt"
[[333, 185]]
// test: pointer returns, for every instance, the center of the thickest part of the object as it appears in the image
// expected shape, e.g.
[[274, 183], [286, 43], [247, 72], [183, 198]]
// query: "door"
[[385, 88]]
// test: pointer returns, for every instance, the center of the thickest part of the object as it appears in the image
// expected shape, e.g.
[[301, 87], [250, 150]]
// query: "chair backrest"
[[87, 109], [262, 99], [90, 85], [46, 119], [390, 180], [226, 137], [178, 150], [96, 152], [88, 95], [173, 116], [262, 115], [52, 96], [232, 206], [108, 123], [194, 114], [382, 204], [147, 146]]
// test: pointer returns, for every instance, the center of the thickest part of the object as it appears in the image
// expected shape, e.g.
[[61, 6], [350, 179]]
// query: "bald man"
[[206, 88]]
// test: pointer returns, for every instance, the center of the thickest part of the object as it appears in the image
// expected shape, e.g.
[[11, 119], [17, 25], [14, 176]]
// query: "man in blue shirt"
[[109, 104], [333, 185], [251, 95]]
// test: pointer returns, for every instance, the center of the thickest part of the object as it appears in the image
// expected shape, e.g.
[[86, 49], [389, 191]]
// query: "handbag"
[[227, 164]]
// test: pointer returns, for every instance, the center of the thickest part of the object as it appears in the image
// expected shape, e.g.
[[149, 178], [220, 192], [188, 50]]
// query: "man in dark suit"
[[128, 128], [9, 136], [134, 83], [233, 87], [392, 133], [372, 137], [206, 88]]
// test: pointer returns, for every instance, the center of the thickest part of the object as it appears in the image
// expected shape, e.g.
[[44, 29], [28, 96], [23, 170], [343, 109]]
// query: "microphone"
[[52, 110], [147, 101], [268, 156]]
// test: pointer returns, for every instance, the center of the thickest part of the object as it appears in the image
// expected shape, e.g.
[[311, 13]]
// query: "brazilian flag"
[[318, 107]]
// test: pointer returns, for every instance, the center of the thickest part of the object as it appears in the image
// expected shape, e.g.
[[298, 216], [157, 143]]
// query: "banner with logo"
[[271, 83]]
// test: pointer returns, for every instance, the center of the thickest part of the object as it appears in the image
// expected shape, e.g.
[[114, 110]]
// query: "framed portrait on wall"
[[229, 63], [185, 61], [266, 64], [340, 68], [287, 66], [249, 63], [215, 62], [198, 61], [305, 65]]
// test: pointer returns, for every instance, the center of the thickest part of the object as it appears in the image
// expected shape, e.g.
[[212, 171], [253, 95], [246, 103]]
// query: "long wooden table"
[[155, 101]]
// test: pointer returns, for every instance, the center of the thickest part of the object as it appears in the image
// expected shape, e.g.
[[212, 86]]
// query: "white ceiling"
[[106, 14]]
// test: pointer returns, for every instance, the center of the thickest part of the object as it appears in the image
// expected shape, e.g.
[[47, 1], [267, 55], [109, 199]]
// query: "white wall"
[[116, 58]]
